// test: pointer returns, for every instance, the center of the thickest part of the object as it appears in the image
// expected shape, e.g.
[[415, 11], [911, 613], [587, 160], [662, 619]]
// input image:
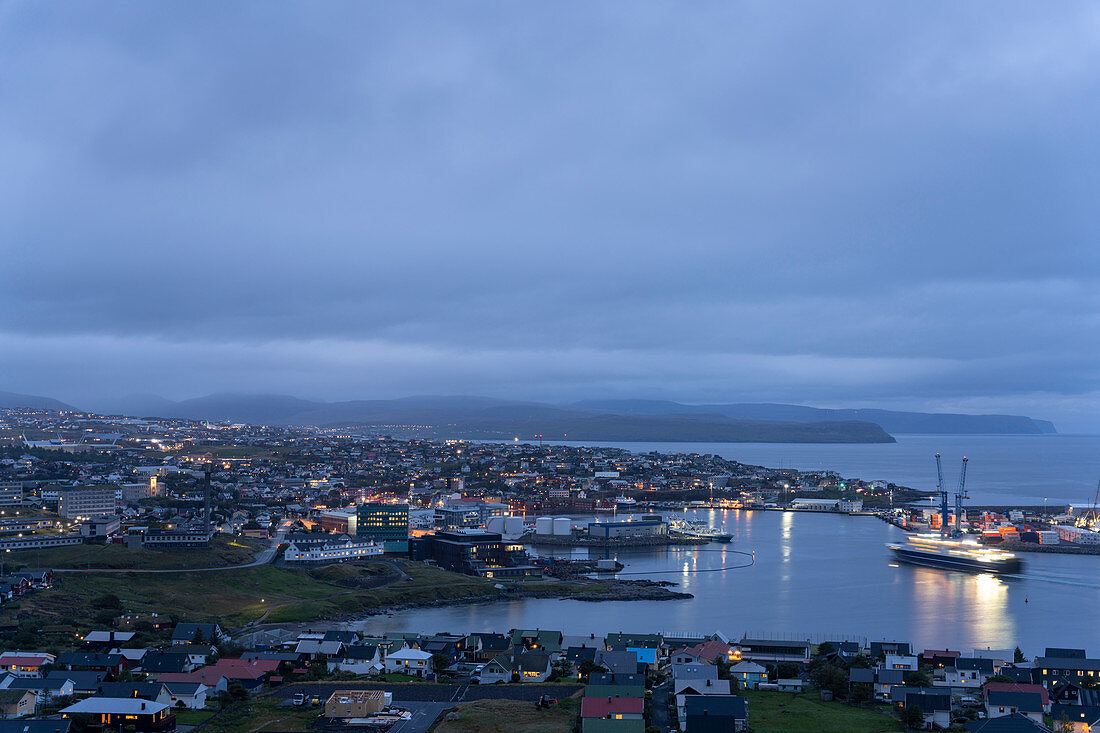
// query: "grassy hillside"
[[223, 551], [236, 597]]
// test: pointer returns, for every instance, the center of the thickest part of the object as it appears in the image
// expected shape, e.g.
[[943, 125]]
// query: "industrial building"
[[620, 530], [474, 552], [339, 520]]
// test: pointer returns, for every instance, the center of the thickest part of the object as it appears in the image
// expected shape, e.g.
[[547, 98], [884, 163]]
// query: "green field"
[[783, 712], [262, 714], [236, 597], [223, 551], [507, 716]]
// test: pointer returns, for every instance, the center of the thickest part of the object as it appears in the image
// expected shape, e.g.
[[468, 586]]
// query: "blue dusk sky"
[[837, 204]]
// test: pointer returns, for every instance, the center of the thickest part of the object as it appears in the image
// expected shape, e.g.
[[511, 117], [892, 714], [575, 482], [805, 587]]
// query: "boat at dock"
[[955, 554], [697, 530]]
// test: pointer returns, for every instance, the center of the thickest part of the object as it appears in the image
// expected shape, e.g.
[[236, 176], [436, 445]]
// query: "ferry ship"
[[625, 501], [698, 530], [936, 551]]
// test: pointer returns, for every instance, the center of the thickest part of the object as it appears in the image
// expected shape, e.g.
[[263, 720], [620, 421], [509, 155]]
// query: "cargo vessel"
[[936, 551], [697, 530]]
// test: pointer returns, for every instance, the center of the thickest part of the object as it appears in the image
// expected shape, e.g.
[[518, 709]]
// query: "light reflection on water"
[[814, 574]]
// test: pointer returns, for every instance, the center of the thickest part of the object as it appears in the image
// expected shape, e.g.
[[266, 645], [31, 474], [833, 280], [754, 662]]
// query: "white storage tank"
[[495, 524], [563, 526], [513, 526], [544, 525]]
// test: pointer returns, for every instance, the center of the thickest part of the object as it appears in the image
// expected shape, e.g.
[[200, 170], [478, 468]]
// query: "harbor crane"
[[1091, 518], [945, 508], [941, 489], [960, 496]]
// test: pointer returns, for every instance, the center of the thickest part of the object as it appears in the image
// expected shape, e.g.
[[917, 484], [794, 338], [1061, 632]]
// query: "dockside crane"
[[1092, 517], [960, 496], [941, 489]]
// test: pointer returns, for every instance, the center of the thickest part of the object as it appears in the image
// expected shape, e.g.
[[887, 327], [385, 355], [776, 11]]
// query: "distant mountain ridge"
[[489, 418], [890, 420], [14, 400]]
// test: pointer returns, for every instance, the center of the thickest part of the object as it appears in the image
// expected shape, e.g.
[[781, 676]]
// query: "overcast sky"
[[887, 204]]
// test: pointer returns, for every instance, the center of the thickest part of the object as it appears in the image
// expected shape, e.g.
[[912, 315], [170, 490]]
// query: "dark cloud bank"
[[845, 205]]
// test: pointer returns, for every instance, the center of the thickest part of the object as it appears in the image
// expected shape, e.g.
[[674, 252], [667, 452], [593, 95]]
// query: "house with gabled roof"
[[543, 640], [361, 659], [1078, 718], [483, 647], [969, 672], [613, 708], [1000, 702], [17, 703], [715, 713], [25, 664], [190, 633]]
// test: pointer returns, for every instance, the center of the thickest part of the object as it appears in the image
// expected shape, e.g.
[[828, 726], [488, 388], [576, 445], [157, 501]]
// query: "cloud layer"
[[847, 204]]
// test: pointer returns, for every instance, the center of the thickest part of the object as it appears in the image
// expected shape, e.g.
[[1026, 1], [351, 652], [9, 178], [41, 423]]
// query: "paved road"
[[659, 707], [263, 557], [423, 715]]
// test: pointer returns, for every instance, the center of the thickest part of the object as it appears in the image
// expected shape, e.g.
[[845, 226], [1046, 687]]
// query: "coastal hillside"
[[14, 401], [891, 421], [491, 419]]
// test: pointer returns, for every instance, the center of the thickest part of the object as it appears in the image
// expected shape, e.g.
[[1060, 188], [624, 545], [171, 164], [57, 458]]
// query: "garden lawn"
[[784, 712]]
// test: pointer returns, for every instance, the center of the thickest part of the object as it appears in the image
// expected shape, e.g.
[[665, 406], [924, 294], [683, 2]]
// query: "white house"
[[191, 694], [897, 661], [969, 672], [358, 660], [409, 661]]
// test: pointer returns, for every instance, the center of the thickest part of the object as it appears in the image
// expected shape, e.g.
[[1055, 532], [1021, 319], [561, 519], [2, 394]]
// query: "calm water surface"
[[1003, 469], [814, 574]]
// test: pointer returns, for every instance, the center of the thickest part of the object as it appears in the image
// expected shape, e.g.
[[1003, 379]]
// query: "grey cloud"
[[736, 201]]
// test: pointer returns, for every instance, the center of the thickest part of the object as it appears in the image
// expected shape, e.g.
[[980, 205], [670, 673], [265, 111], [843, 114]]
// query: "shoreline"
[[631, 590]]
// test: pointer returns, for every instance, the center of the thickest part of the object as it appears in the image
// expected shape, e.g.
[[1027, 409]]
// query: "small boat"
[[940, 552], [697, 530]]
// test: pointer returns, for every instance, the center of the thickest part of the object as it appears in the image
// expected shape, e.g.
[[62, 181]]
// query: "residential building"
[[1006, 702], [327, 548], [17, 703], [83, 502], [1052, 669], [412, 662], [356, 703], [775, 650], [25, 664], [969, 672], [123, 712], [1077, 718], [11, 493], [613, 708], [748, 674], [713, 713]]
